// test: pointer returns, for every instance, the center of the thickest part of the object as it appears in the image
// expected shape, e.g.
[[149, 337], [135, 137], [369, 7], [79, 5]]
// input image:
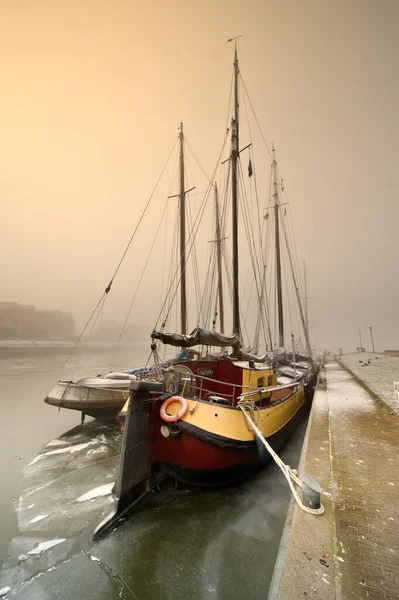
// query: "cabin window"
[[261, 382], [269, 380], [205, 372]]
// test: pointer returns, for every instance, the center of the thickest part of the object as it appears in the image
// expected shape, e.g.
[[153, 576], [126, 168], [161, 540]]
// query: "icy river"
[[56, 486]]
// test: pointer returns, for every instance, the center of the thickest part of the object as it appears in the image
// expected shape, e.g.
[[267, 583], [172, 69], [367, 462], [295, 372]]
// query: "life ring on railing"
[[179, 414]]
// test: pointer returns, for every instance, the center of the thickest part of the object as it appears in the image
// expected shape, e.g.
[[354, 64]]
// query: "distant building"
[[391, 352], [360, 349], [24, 322]]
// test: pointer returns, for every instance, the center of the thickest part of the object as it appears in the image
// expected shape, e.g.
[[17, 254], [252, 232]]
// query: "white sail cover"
[[198, 336]]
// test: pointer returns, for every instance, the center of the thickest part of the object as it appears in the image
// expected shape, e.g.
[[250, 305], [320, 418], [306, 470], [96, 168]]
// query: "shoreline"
[[25, 348]]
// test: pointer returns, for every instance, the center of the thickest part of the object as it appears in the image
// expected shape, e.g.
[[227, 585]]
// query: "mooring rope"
[[289, 474]]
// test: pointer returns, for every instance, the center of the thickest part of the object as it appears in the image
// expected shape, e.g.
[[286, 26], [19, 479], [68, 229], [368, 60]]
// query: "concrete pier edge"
[[351, 448], [282, 552]]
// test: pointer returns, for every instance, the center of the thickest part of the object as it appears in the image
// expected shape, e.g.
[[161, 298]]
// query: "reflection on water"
[[181, 543]]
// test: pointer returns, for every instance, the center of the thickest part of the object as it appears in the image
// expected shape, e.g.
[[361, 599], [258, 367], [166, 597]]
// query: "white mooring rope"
[[289, 474]]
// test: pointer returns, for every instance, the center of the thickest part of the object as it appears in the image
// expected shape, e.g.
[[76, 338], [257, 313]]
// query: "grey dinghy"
[[98, 397]]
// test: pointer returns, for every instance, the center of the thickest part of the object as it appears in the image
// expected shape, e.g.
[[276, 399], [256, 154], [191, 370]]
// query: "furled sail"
[[264, 358], [277, 355], [198, 336]]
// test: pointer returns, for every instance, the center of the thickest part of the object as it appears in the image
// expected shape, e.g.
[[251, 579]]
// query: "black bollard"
[[310, 492]]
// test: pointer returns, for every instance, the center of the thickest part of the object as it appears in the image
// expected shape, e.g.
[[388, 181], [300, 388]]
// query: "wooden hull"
[[209, 446], [213, 446], [203, 464]]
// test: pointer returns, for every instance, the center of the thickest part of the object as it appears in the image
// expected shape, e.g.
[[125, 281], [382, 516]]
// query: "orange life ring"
[[179, 414]]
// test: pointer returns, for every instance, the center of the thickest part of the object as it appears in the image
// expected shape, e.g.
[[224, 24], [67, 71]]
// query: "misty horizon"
[[92, 101]]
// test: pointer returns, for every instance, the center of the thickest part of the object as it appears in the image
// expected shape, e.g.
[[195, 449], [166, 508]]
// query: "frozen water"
[[102, 490], [49, 517], [94, 558], [71, 449], [56, 443], [43, 546], [38, 518], [4, 591]]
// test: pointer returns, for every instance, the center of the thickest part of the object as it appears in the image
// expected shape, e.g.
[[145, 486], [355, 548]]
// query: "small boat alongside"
[[98, 397]]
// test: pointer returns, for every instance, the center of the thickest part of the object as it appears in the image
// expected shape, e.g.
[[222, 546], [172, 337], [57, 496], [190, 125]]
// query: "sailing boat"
[[189, 425]]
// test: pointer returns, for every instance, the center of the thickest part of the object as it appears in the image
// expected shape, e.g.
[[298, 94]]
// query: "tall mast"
[[219, 259], [278, 255], [304, 321], [258, 322], [234, 162], [182, 206], [306, 297]]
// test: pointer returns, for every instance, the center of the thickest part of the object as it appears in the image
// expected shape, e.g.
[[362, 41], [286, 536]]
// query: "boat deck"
[[351, 449]]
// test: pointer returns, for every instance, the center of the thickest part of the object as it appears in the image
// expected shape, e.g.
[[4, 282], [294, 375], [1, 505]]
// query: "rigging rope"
[[108, 288], [256, 118], [297, 292], [210, 283], [206, 301], [140, 220], [104, 295], [142, 274], [252, 159], [90, 332], [173, 265], [197, 281], [257, 272], [290, 228], [190, 242], [196, 158]]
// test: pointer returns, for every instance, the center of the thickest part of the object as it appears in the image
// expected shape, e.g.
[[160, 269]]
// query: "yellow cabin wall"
[[250, 379], [230, 422]]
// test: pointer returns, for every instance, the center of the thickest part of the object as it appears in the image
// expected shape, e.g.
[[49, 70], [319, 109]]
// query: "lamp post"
[[372, 341], [360, 340]]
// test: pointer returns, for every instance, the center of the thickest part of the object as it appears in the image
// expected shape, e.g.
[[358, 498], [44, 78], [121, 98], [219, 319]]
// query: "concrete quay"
[[352, 449]]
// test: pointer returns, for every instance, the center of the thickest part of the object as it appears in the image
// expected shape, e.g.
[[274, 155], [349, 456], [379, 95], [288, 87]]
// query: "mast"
[[308, 348], [304, 320], [182, 207], [278, 255], [234, 163], [306, 296], [258, 322], [219, 259]]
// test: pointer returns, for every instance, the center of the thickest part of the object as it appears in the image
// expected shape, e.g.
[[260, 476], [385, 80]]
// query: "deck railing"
[[205, 389]]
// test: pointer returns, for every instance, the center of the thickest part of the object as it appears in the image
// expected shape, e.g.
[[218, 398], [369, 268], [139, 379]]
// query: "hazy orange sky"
[[91, 98]]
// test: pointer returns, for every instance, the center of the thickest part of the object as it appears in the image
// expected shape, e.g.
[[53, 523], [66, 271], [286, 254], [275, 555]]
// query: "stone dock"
[[352, 449]]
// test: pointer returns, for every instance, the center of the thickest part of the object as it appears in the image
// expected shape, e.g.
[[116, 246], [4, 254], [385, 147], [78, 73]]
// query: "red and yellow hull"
[[213, 445]]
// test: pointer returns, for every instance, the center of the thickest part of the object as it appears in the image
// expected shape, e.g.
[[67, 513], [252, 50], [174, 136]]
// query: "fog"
[[92, 96]]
